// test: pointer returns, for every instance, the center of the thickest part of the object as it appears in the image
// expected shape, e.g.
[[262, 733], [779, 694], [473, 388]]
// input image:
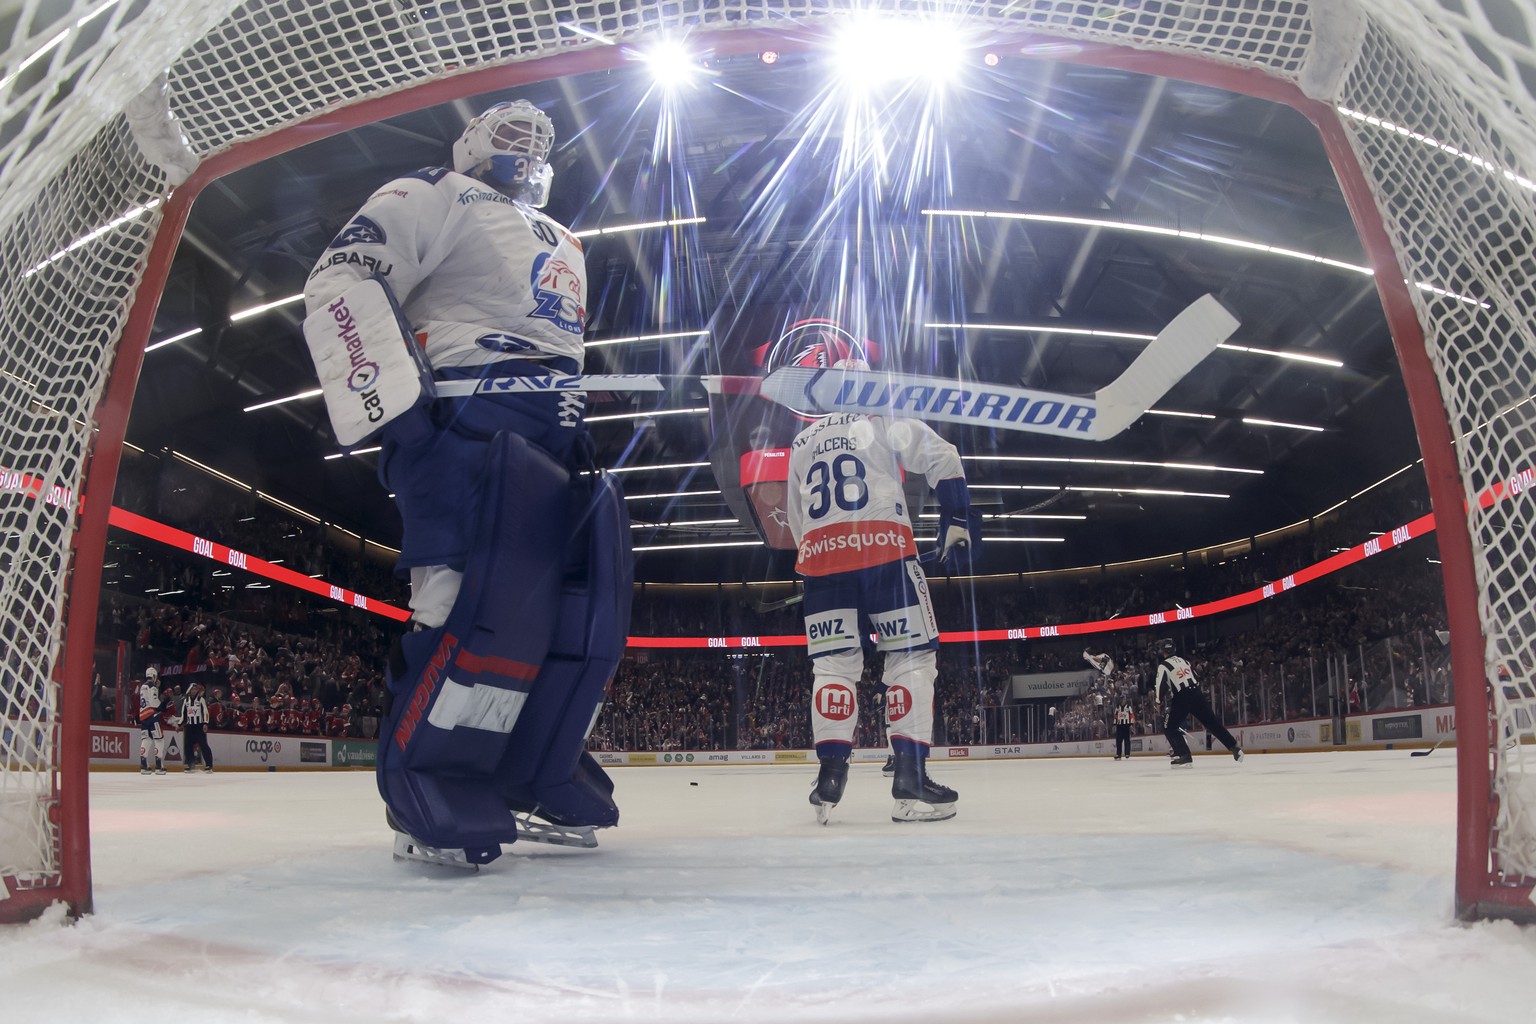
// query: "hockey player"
[[508, 530], [1185, 699], [154, 709], [848, 516]]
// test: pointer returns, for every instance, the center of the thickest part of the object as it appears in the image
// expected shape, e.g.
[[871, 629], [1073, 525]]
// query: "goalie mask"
[[508, 148]]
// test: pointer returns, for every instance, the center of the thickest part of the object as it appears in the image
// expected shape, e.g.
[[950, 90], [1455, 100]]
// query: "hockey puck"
[[693, 783]]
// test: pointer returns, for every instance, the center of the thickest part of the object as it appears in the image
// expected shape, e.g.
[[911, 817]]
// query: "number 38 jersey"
[[846, 506]]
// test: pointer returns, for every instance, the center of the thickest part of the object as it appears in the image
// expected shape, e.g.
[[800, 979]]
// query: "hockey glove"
[[959, 528]]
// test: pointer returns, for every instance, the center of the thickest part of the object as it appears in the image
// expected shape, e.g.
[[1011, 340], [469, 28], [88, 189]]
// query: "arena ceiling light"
[[311, 393], [1195, 236], [672, 494], [1150, 491], [234, 318], [1012, 515], [354, 451], [646, 225], [1186, 415], [672, 64], [1254, 421], [694, 547], [635, 339], [173, 339], [870, 51], [265, 307], [660, 467]]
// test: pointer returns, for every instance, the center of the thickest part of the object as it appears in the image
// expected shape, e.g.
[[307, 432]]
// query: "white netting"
[[1447, 149]]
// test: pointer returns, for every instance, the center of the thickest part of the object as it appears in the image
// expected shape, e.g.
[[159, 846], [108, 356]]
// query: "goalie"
[[859, 560], [516, 546]]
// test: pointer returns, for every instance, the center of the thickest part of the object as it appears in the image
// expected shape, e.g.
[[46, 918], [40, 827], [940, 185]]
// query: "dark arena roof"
[[979, 230]]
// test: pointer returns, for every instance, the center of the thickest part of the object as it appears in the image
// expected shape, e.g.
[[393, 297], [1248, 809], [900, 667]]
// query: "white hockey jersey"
[[149, 704], [847, 510], [480, 277]]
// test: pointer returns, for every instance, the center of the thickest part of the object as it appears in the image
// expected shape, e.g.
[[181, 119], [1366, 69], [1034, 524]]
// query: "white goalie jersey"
[[519, 291], [847, 510]]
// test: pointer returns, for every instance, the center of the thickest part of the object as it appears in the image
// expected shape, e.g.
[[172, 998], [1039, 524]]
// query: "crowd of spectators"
[[276, 660], [256, 679]]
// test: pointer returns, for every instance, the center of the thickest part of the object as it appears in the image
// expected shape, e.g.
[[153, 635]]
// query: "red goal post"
[[1426, 113]]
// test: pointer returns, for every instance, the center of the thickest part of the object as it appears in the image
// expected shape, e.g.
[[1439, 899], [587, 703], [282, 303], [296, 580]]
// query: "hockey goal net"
[[116, 112]]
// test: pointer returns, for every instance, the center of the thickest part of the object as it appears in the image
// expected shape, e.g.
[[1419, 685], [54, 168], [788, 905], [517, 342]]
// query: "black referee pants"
[[196, 738], [1190, 701], [1122, 741]]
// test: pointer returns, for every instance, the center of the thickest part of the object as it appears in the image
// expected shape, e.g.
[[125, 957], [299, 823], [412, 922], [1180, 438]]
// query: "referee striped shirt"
[[194, 711]]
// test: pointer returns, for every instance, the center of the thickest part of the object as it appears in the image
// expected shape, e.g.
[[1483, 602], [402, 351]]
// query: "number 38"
[[841, 481]]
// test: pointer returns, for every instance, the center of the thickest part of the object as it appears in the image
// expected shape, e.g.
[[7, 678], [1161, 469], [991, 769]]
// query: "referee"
[[1185, 699], [194, 719], [1124, 716]]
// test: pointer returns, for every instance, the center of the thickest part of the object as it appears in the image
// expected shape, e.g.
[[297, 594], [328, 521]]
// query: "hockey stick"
[[1425, 753], [1188, 338], [765, 607]]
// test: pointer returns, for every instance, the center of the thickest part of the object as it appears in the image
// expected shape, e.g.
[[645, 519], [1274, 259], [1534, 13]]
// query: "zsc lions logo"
[[361, 231], [557, 288]]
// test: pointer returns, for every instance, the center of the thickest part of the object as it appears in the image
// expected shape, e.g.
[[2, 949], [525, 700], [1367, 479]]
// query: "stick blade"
[[1177, 349]]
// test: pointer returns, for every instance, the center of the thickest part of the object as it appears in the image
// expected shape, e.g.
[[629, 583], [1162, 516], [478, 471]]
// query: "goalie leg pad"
[[546, 770], [460, 689]]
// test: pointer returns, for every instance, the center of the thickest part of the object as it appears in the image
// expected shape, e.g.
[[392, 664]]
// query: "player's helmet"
[[1166, 645], [152, 674], [508, 148]]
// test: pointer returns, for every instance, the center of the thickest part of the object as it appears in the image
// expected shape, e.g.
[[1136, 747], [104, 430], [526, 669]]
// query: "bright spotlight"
[[873, 51], [671, 64], [769, 56], [990, 60]]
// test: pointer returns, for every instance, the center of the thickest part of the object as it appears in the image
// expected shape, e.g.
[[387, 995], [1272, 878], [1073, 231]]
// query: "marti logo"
[[835, 702]]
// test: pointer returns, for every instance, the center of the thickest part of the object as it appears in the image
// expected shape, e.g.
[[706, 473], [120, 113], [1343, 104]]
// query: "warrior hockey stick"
[[1188, 338], [1426, 753]]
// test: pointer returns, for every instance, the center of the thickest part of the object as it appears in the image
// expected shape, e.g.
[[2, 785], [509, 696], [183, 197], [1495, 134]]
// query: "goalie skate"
[[408, 849], [538, 830], [829, 787], [919, 798]]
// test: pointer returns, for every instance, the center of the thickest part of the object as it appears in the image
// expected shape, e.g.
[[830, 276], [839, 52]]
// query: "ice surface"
[[1291, 887]]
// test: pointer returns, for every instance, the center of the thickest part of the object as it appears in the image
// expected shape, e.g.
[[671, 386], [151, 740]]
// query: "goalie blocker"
[[372, 372]]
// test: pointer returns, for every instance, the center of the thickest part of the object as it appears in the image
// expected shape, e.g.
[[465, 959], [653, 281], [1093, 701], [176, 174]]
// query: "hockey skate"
[[535, 826], [1237, 754], [409, 848], [890, 765], [912, 789], [829, 787], [1181, 762]]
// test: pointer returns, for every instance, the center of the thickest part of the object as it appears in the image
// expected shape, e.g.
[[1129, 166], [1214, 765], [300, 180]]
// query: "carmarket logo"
[[263, 748], [364, 376]]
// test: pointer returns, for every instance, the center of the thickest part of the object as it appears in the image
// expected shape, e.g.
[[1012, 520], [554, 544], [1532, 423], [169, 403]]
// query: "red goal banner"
[[1520, 483]]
